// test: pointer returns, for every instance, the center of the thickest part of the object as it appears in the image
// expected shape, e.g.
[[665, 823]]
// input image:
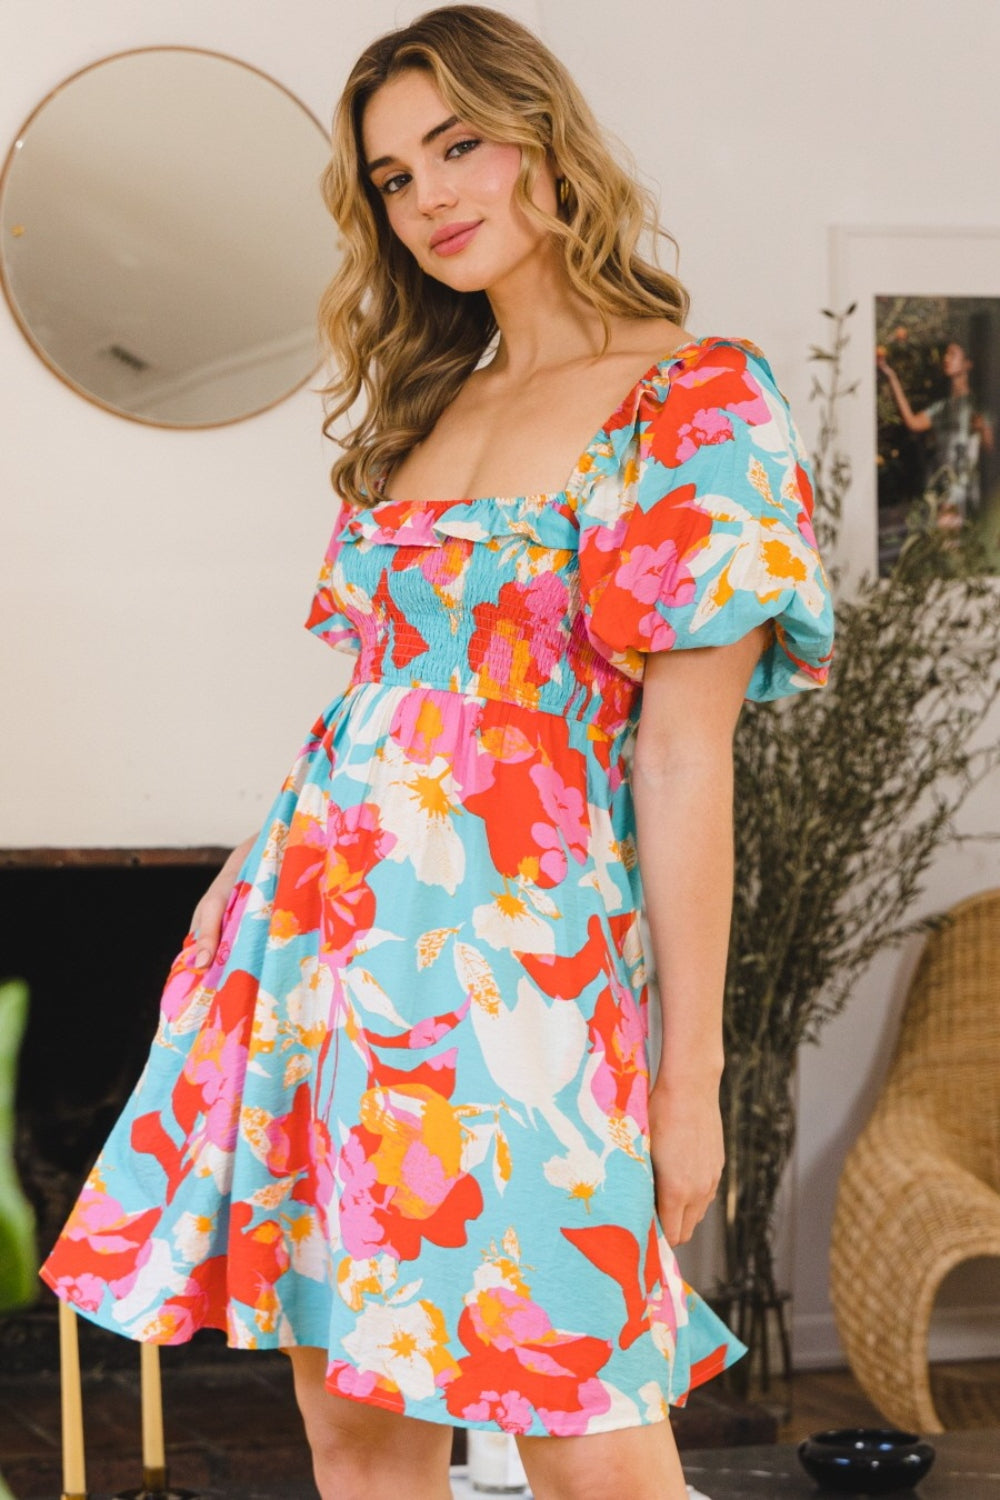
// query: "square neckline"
[[539, 495]]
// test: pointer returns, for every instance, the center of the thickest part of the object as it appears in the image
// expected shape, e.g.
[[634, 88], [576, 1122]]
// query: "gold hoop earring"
[[562, 191]]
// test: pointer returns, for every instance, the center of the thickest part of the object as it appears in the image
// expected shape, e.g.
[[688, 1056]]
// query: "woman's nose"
[[433, 191]]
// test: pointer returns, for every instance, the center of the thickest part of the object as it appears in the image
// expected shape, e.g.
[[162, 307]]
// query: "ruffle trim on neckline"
[[549, 520]]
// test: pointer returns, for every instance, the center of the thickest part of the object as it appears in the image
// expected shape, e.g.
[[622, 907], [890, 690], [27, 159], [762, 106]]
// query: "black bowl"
[[865, 1460]]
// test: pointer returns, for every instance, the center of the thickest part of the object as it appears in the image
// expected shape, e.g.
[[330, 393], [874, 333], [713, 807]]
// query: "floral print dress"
[[403, 1114]]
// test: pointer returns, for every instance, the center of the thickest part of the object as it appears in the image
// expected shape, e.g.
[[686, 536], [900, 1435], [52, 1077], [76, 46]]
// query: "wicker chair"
[[920, 1190]]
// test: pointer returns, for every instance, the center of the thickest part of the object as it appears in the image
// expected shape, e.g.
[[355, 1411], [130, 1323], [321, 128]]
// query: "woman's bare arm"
[[915, 421], [682, 783]]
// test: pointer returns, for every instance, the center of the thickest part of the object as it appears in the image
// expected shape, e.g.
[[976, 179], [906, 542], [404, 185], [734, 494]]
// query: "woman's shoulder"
[[655, 337]]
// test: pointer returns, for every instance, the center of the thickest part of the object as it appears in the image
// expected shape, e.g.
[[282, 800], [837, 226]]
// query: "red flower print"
[[299, 1146], [256, 1257], [701, 401], [202, 1303], [206, 1097], [355, 843], [518, 639], [615, 1251], [296, 899], [803, 484], [518, 1362], [101, 1238], [363, 1385], [530, 808], [407, 642]]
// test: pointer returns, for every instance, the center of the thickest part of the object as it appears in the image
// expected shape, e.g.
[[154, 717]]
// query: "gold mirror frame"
[[285, 260]]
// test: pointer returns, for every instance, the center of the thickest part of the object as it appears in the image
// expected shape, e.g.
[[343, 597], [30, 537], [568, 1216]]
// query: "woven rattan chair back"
[[920, 1190], [947, 1060]]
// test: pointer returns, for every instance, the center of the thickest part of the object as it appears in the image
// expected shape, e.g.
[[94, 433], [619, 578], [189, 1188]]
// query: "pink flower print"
[[298, 1146], [100, 1239], [343, 1379], [356, 843], [517, 640], [618, 1039], [652, 573], [506, 1318], [182, 983], [402, 1175], [85, 1291], [235, 907], [510, 1411], [363, 1235], [594, 1399], [517, 1360], [705, 428], [806, 529], [566, 807], [423, 1175], [545, 603], [606, 538], [430, 723], [553, 863], [564, 803], [656, 633], [185, 977], [215, 1068]]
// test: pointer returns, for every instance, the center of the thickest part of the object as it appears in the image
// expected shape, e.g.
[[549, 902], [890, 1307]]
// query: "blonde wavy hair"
[[407, 342]]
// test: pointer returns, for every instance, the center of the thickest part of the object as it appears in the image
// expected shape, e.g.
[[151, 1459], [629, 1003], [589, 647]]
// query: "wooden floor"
[[832, 1398], [236, 1431], [826, 1398]]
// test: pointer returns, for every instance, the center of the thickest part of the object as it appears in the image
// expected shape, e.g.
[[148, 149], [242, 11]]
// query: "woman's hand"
[[206, 919], [686, 1145]]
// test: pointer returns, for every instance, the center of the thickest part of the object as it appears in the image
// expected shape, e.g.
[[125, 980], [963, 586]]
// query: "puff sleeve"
[[705, 531], [327, 616]]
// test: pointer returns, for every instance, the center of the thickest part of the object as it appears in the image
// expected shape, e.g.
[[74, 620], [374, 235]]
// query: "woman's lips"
[[455, 242]]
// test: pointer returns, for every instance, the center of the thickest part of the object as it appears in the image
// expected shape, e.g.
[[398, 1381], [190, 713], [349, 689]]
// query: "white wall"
[[157, 679]]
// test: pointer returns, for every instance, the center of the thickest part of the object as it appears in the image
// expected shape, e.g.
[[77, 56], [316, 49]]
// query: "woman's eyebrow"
[[383, 161]]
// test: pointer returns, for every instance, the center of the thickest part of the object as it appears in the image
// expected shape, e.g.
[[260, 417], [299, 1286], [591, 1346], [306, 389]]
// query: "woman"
[[958, 429], [398, 1119]]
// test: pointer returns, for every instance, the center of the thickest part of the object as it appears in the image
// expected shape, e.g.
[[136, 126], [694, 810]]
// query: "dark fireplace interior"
[[94, 933]]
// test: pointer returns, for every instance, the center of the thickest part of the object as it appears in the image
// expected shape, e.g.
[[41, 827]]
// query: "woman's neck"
[[543, 321]]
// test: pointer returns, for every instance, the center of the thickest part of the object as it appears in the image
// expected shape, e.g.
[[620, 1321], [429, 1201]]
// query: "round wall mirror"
[[164, 240]]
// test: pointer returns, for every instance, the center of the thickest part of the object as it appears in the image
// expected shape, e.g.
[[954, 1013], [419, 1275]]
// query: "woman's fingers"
[[207, 926], [206, 920], [681, 1206], [680, 1217]]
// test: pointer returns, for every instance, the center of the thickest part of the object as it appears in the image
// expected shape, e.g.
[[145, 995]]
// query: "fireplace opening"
[[93, 932]]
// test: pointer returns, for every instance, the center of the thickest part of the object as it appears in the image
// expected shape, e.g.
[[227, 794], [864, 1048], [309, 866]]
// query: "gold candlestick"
[[155, 1478], [74, 1468], [154, 1458]]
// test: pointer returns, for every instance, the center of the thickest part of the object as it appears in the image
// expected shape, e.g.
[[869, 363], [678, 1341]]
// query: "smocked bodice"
[[481, 597]]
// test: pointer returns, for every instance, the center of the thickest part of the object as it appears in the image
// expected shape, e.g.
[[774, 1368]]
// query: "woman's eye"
[[398, 181]]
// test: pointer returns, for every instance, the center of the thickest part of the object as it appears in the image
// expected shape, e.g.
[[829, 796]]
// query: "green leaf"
[[18, 1256]]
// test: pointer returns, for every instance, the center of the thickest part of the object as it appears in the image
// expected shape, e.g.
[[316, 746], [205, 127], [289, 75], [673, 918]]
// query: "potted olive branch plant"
[[842, 799]]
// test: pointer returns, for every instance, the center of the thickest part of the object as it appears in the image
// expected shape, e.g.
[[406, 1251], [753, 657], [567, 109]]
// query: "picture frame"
[[950, 272]]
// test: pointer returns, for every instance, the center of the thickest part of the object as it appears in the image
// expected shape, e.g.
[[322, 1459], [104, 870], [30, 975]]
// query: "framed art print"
[[922, 429]]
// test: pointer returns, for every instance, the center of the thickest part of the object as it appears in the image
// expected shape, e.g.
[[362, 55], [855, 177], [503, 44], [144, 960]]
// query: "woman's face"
[[448, 192], [955, 361]]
